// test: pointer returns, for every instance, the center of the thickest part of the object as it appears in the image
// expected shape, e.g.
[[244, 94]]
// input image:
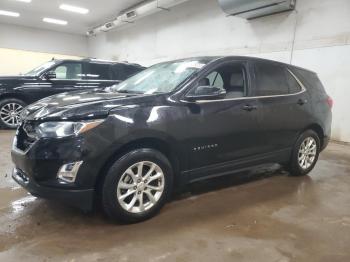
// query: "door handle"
[[249, 108], [302, 101]]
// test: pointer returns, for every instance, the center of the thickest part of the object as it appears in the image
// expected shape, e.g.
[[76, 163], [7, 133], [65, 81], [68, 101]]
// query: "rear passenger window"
[[117, 72], [122, 71], [130, 71], [270, 79], [99, 71]]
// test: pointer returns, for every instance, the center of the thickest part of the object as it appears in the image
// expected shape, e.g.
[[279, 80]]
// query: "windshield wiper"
[[128, 92]]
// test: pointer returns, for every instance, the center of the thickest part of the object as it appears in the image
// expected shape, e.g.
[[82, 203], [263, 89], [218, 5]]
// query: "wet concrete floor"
[[264, 215]]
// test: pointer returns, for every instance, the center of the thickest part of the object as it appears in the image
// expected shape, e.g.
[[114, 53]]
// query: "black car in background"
[[57, 76], [174, 123]]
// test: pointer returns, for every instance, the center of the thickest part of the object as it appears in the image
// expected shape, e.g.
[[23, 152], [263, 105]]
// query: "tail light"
[[330, 101]]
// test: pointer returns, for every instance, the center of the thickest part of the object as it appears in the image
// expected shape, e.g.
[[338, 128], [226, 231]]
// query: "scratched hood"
[[78, 105]]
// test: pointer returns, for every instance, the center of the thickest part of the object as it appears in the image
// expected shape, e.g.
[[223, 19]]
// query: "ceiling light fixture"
[[24, 1], [9, 13], [55, 21], [74, 9]]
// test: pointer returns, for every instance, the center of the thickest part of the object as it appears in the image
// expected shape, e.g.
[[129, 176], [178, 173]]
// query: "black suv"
[[54, 77], [173, 123]]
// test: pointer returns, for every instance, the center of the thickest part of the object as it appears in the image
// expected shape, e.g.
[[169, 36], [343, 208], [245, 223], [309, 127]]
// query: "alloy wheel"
[[307, 153], [140, 187], [10, 114]]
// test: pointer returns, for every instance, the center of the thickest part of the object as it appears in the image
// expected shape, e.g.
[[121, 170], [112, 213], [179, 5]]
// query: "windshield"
[[38, 70], [160, 78]]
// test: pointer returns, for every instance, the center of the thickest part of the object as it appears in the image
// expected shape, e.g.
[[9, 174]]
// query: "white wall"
[[43, 41], [199, 27], [31, 47]]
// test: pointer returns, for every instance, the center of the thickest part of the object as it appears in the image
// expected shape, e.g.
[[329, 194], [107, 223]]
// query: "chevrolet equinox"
[[174, 123]]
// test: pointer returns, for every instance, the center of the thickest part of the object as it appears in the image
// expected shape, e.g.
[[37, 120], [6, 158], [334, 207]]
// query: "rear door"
[[284, 108]]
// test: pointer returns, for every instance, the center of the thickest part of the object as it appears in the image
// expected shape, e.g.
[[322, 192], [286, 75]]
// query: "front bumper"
[[36, 169], [82, 199]]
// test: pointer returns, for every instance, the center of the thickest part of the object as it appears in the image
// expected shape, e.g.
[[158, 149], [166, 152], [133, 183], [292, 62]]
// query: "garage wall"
[[32, 47], [319, 29], [25, 60]]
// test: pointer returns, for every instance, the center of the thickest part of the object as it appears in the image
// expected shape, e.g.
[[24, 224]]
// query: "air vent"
[[145, 8], [90, 32], [109, 25], [130, 14]]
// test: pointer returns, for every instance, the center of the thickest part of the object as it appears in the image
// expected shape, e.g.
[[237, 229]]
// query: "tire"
[[122, 179], [10, 110], [298, 167]]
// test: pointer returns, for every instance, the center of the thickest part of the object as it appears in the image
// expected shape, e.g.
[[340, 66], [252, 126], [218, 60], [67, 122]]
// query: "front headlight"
[[64, 129]]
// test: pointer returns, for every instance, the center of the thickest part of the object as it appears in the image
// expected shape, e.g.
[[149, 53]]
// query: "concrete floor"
[[257, 216]]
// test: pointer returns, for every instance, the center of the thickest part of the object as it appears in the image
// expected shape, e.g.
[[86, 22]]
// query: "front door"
[[69, 77], [226, 129]]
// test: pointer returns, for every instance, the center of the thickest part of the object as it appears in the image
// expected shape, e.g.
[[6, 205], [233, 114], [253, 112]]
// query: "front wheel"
[[305, 154], [137, 185], [10, 110]]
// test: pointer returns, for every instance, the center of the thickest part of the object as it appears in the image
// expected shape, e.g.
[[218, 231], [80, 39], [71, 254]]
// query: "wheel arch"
[[319, 131], [15, 96], [149, 142]]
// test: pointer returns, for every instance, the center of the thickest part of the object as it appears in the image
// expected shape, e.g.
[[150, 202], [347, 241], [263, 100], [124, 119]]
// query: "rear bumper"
[[82, 198]]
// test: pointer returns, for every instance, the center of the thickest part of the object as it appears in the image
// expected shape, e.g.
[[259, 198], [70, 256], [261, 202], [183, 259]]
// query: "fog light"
[[68, 172]]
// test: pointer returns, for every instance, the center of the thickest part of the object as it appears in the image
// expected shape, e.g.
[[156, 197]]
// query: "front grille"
[[26, 136]]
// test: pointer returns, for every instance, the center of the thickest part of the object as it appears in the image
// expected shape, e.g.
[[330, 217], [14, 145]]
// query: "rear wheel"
[[10, 110], [137, 186], [305, 153]]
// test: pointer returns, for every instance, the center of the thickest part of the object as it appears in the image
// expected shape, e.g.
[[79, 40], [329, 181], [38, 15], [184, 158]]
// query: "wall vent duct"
[[250, 9], [132, 14]]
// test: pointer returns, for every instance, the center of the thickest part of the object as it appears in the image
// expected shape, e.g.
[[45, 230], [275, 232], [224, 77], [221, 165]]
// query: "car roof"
[[258, 59], [210, 59], [101, 61]]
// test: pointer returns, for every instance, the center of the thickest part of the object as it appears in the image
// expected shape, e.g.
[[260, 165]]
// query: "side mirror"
[[50, 75], [206, 93]]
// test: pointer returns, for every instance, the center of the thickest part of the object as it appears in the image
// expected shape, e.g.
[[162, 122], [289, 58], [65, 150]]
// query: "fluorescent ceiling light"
[[74, 9], [9, 13], [25, 1], [54, 21]]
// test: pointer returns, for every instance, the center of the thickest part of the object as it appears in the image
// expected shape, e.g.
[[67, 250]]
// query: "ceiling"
[[31, 14]]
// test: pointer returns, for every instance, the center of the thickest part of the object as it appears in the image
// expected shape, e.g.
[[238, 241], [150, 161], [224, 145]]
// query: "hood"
[[10, 81], [14, 78], [78, 105]]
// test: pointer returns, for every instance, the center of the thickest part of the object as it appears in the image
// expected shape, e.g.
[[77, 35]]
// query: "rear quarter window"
[[293, 85], [312, 82]]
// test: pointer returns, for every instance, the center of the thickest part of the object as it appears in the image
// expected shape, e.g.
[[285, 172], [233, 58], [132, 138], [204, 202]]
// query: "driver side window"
[[69, 71], [215, 80], [229, 77]]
